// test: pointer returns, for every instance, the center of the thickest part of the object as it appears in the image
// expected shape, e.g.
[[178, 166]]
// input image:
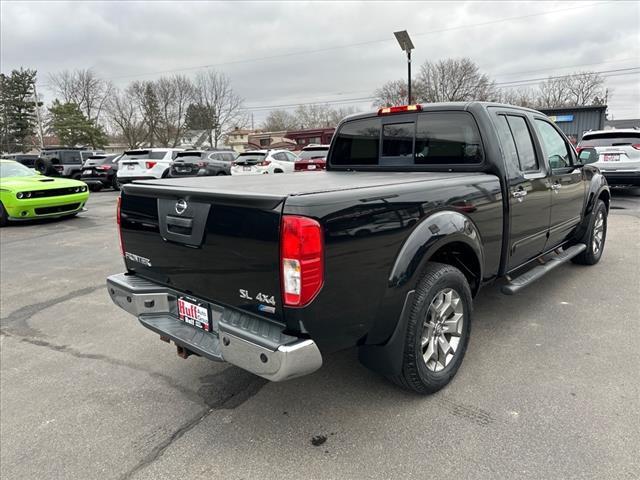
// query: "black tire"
[[115, 183], [165, 174], [4, 218], [277, 170], [45, 166], [597, 223], [76, 176], [95, 188], [220, 174], [415, 375]]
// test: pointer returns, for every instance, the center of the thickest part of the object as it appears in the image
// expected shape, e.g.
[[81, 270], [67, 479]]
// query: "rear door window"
[[524, 143], [444, 138], [71, 157]]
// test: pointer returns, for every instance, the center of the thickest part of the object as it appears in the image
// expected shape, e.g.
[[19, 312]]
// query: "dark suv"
[[26, 159], [202, 163], [64, 162], [100, 171]]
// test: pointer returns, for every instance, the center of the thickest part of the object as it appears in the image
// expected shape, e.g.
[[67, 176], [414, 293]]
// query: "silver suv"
[[615, 152]]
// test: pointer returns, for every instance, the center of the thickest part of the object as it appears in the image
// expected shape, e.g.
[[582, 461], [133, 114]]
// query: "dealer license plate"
[[130, 167], [87, 172], [246, 169], [194, 313], [611, 157], [311, 167]]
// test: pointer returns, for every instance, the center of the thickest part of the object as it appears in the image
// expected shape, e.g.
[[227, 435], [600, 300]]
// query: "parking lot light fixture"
[[406, 45]]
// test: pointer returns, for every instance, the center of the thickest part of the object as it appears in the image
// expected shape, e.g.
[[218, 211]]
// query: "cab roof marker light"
[[400, 109]]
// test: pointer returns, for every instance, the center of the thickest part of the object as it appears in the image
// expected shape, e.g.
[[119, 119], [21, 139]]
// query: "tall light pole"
[[406, 45]]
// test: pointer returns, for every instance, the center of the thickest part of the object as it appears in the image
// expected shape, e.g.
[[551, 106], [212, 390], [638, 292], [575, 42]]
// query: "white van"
[[145, 164]]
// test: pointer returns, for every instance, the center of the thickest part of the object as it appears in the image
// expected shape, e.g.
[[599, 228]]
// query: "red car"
[[313, 157]]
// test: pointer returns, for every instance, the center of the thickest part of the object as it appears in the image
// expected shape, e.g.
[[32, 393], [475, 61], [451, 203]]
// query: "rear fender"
[[428, 237], [382, 350]]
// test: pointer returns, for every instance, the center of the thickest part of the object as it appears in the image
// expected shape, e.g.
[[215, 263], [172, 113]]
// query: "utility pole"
[[252, 121], [38, 118]]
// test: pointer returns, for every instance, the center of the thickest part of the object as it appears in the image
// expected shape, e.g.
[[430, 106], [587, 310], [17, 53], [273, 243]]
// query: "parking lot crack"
[[189, 394], [17, 319]]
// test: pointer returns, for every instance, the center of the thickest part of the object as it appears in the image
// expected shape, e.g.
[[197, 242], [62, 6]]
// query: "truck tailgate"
[[223, 248]]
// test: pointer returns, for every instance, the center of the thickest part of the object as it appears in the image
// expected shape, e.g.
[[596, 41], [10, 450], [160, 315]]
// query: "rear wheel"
[[115, 183], [594, 237], [220, 174], [438, 330], [95, 188]]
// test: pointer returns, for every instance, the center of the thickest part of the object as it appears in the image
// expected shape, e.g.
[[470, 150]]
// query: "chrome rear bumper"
[[249, 342]]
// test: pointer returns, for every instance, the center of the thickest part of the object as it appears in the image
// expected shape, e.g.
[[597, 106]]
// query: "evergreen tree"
[[200, 117], [73, 128], [17, 110]]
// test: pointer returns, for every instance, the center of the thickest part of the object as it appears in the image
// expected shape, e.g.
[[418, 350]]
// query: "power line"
[[531, 81], [565, 67], [359, 44]]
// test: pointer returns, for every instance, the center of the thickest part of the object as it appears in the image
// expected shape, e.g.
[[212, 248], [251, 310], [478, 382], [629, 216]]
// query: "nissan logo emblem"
[[181, 206]]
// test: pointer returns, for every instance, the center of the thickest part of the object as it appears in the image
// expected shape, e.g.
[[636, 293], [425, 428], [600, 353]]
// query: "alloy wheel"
[[442, 330], [598, 233]]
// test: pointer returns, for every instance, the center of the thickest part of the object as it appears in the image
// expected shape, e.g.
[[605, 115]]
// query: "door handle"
[[519, 194]]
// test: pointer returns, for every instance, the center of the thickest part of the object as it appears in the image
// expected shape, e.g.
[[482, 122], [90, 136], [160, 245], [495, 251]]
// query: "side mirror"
[[587, 156]]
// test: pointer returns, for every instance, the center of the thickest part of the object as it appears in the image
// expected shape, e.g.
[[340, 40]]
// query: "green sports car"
[[26, 195]]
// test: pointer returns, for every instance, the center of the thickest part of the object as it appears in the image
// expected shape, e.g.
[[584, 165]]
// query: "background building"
[[575, 121]]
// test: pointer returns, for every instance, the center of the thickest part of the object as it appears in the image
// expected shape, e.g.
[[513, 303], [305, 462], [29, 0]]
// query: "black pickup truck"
[[420, 206]]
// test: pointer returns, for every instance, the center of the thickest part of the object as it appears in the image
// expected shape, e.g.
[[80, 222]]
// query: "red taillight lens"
[[636, 146], [119, 226], [58, 168], [150, 164], [400, 109], [265, 163], [103, 167], [301, 260]]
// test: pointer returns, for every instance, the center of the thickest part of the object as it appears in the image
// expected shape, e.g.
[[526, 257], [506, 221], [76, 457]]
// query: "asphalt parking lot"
[[550, 387]]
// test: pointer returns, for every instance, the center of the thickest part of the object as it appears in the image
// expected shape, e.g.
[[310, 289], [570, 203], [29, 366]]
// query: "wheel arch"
[[446, 237]]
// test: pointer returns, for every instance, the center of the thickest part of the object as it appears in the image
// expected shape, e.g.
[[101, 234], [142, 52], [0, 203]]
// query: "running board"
[[535, 273]]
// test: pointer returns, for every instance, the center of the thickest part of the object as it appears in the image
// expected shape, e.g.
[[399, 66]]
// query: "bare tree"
[[453, 80], [123, 111], [147, 104], [393, 92], [174, 94], [523, 97], [280, 120], [585, 87], [336, 115], [84, 88], [214, 91]]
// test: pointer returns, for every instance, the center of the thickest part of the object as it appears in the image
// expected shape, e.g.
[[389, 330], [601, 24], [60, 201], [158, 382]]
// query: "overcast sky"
[[324, 51]]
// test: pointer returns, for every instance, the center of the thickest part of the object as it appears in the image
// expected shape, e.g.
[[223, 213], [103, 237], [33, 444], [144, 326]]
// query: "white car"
[[145, 164], [615, 152], [259, 162]]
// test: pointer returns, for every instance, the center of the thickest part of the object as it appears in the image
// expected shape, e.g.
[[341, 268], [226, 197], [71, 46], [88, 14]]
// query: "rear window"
[[610, 139], [191, 155], [143, 155], [426, 139], [313, 153], [251, 157]]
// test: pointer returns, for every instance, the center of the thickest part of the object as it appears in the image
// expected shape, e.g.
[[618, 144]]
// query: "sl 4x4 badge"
[[261, 297]]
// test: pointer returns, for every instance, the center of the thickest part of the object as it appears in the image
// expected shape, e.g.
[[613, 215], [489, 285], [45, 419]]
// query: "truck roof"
[[426, 107]]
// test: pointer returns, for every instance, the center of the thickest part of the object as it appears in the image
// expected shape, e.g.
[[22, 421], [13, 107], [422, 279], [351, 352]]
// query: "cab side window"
[[554, 146]]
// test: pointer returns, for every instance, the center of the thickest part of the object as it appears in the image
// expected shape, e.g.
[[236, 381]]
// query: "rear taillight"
[[265, 163], [201, 164], [58, 168], [301, 260], [150, 164], [103, 167], [119, 226], [636, 146]]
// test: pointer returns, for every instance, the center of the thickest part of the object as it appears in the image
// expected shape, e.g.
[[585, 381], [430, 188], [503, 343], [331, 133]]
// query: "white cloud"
[[134, 39]]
